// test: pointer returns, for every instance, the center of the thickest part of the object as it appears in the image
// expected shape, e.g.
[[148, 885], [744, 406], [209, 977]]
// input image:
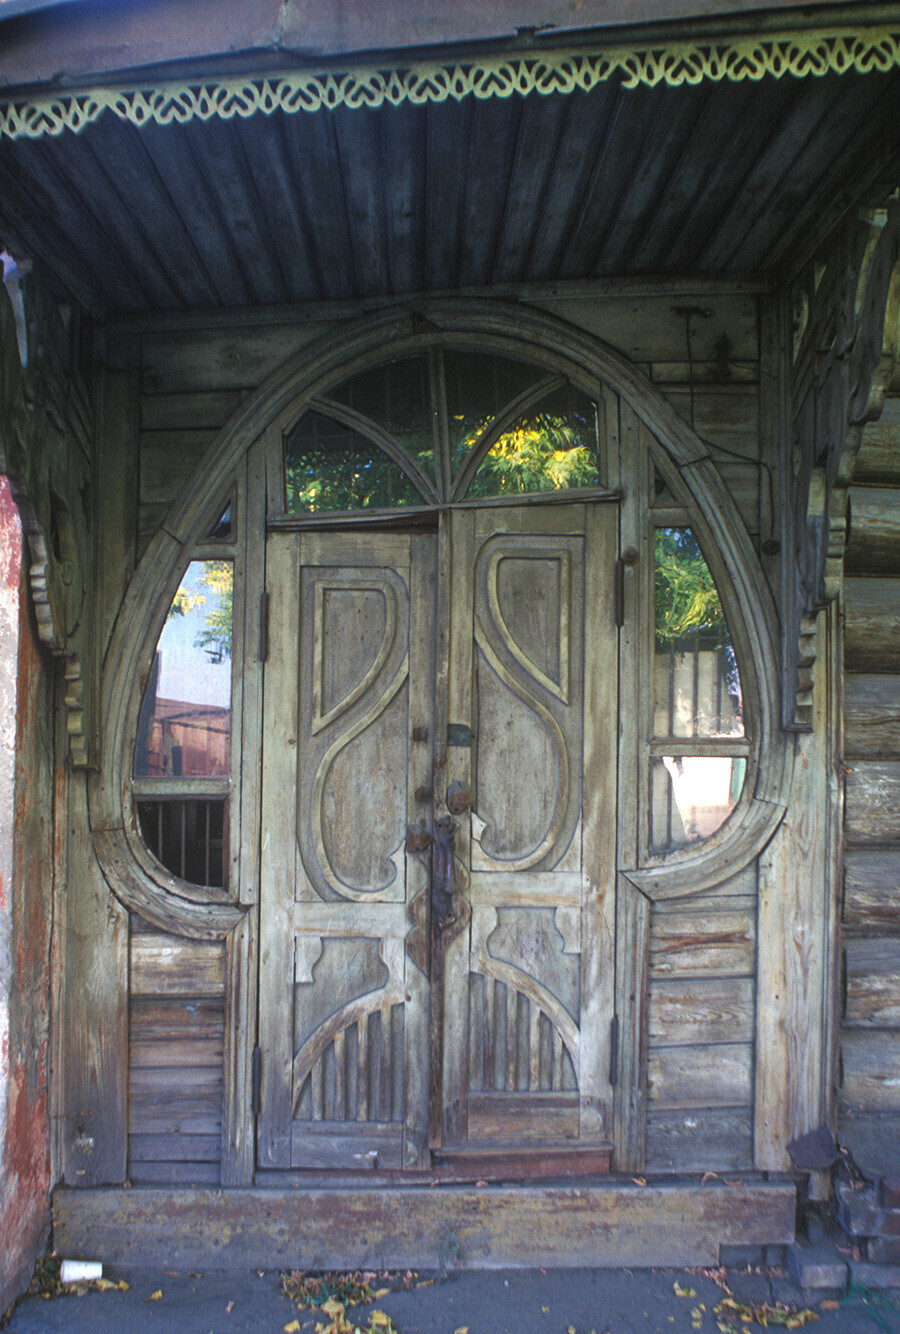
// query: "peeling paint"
[[25, 920]]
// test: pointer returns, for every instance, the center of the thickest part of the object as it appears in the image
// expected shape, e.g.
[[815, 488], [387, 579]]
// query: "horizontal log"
[[705, 1140], [692, 943], [872, 979], [174, 1148], [871, 716], [605, 1225], [873, 542], [737, 894], [164, 965], [701, 1010], [165, 1020], [872, 625], [872, 802], [873, 1138], [870, 1061], [878, 459], [688, 1077], [872, 888], [188, 412]]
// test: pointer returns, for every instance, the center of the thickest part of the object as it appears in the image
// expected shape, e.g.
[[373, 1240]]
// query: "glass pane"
[[691, 796], [221, 529], [188, 837], [478, 386], [696, 685], [551, 448], [185, 723], [396, 396], [329, 467]]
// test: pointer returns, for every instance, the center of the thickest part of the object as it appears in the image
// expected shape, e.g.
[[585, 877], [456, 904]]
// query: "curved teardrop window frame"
[[252, 442]]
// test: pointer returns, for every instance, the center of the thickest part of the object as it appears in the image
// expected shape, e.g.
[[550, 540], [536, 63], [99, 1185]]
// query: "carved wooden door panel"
[[343, 991], [438, 841], [527, 952]]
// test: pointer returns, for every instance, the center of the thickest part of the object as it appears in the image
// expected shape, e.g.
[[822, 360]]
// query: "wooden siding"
[[701, 1023], [176, 1018], [869, 1098]]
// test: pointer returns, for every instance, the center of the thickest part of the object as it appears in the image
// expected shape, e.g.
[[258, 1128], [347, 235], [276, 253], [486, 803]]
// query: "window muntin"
[[184, 730], [185, 722], [697, 762], [552, 447], [696, 684], [452, 425], [330, 467]]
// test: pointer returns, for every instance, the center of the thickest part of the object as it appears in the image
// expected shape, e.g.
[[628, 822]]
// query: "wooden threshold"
[[603, 1225]]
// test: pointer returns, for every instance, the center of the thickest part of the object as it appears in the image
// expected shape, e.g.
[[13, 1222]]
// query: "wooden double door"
[[438, 842]]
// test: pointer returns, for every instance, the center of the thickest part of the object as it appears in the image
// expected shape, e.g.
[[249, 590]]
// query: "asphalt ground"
[[522, 1301]]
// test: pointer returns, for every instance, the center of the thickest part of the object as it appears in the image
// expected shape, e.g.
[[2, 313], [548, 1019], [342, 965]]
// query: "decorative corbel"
[[846, 352], [45, 448]]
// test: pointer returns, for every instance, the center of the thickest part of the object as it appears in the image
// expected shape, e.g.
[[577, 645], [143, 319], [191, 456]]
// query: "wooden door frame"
[[648, 432]]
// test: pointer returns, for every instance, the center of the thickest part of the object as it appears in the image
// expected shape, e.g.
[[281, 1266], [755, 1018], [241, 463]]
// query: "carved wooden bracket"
[[46, 449], [846, 349]]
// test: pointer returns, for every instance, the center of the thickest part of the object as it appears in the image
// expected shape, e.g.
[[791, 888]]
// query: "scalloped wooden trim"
[[368, 85]]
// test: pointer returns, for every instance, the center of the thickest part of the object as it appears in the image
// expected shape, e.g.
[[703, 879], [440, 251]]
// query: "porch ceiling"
[[719, 179]]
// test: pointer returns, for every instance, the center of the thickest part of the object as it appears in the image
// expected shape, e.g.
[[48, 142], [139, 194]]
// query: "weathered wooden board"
[[220, 359], [872, 813], [708, 1076], [872, 888], [873, 1138], [167, 460], [163, 965], [873, 545], [700, 1140], [650, 331], [166, 1173], [95, 1019], [872, 983], [872, 625], [701, 1010], [176, 1020], [152, 1148], [203, 411], [692, 943], [871, 1067], [606, 1225], [871, 716]]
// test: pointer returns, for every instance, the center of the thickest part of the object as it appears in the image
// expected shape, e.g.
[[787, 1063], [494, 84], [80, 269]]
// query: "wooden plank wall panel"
[[701, 1024], [869, 1096], [177, 1032]]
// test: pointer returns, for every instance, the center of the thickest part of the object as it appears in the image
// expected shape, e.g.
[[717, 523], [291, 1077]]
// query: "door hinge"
[[255, 1065], [620, 592], [263, 626], [613, 1049]]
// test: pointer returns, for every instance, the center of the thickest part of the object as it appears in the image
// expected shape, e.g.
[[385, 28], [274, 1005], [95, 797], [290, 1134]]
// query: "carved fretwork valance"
[[45, 448], [845, 356]]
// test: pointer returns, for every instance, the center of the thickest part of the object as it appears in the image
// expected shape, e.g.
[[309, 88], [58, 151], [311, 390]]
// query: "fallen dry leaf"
[[156, 1296], [639, 1181], [683, 1292], [708, 1176], [463, 1329], [229, 1308], [292, 1328], [829, 1304]]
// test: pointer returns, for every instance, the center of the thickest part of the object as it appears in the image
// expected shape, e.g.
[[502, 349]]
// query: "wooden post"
[[798, 924]]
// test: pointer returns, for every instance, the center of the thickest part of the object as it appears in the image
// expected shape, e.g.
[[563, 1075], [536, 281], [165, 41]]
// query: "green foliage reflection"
[[544, 452], [686, 599]]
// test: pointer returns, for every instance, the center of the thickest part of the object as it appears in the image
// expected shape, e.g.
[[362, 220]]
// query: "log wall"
[[869, 1100]]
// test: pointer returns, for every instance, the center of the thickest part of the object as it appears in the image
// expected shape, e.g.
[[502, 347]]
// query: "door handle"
[[442, 913]]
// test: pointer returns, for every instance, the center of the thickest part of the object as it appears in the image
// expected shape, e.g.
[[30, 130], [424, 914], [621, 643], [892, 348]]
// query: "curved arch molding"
[[681, 457], [797, 54]]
